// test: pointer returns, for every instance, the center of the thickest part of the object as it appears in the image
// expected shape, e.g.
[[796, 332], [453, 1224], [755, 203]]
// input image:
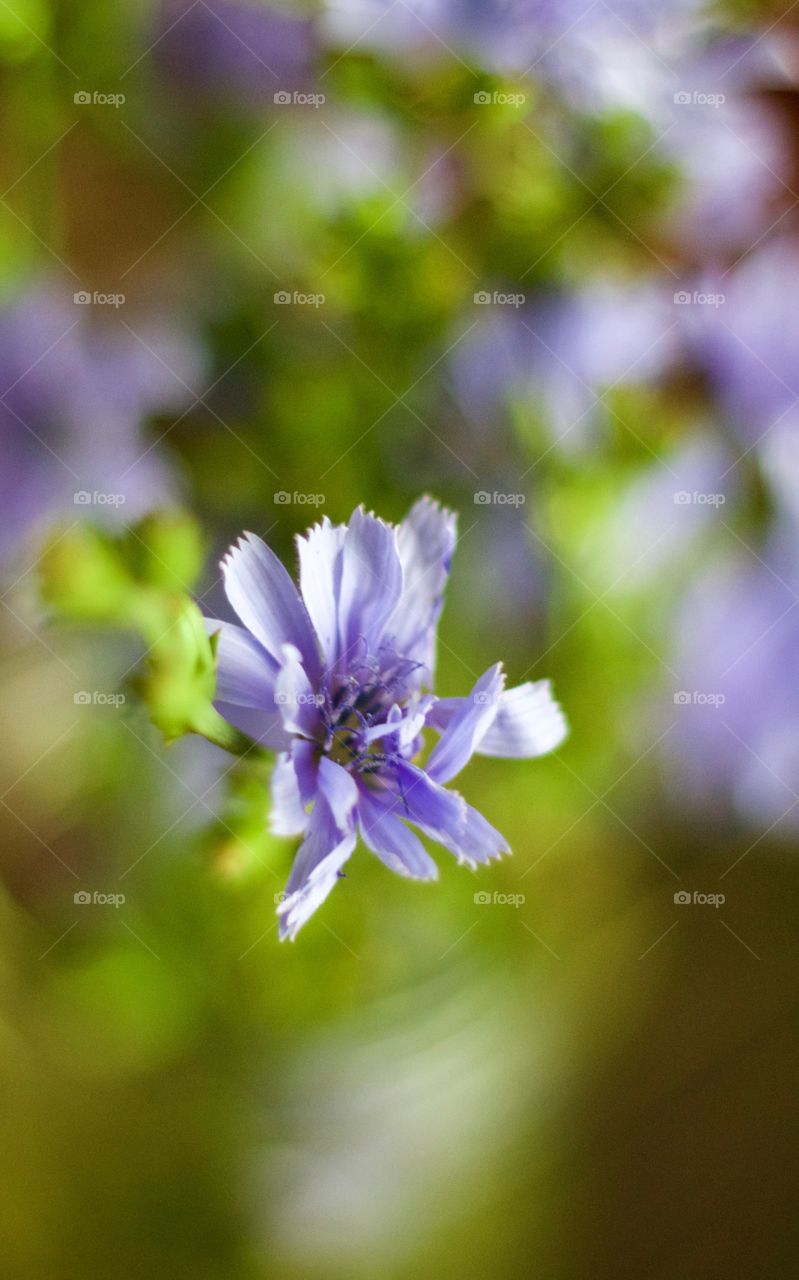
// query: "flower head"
[[337, 678]]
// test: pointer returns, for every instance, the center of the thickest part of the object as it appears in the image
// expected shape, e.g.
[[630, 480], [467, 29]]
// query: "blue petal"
[[245, 682], [263, 725], [529, 722], [371, 583], [426, 540], [264, 597], [446, 817], [477, 841], [329, 841], [321, 856], [295, 697], [339, 790], [438, 812], [287, 816], [320, 554], [306, 764], [390, 839], [467, 726], [245, 673]]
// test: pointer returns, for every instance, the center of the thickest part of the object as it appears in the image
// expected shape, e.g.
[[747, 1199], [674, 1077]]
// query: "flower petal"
[[371, 583], [529, 722], [320, 554], [329, 841], [339, 790], [266, 600], [438, 812], [287, 816], [306, 763], [245, 673], [467, 726], [446, 817], [390, 839], [321, 856], [295, 697], [263, 725], [425, 540], [477, 841]]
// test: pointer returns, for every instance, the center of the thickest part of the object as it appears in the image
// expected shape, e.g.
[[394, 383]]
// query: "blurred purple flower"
[[334, 680], [585, 46], [737, 731], [234, 49], [749, 343], [712, 120], [73, 396], [559, 352], [655, 524], [730, 161]]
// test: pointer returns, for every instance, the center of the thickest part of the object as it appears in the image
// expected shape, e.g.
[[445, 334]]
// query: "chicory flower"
[[337, 679]]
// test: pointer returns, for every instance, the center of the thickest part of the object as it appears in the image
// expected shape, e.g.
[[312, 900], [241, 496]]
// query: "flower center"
[[362, 716]]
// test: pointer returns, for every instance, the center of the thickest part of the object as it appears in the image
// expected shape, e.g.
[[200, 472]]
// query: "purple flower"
[[736, 737], [337, 679], [231, 50], [75, 392], [562, 351]]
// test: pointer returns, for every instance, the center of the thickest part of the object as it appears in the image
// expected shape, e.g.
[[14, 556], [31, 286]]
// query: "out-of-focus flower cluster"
[[536, 258]]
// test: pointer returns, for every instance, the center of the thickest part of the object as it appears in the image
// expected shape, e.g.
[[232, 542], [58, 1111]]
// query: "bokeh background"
[[260, 263]]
